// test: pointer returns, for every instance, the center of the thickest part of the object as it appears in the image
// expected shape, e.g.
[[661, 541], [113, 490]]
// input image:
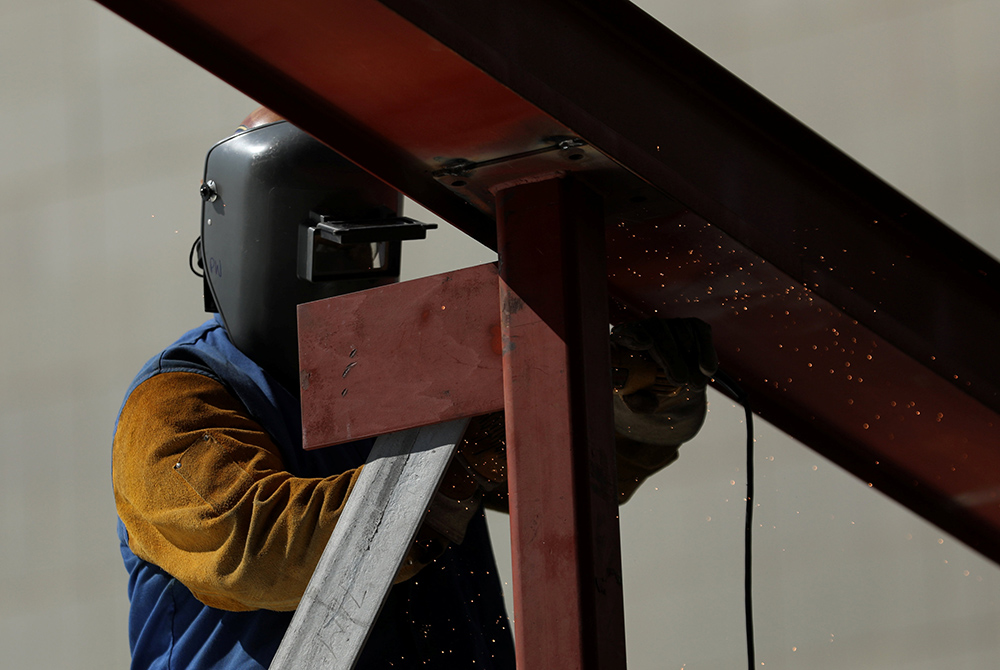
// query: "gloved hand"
[[427, 546], [479, 466], [483, 451], [661, 369]]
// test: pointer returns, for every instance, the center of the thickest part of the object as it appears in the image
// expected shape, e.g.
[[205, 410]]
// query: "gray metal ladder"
[[368, 545]]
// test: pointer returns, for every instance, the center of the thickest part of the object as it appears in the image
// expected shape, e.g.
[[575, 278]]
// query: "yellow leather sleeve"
[[203, 492]]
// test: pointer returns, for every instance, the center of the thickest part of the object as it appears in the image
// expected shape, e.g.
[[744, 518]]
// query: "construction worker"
[[223, 516]]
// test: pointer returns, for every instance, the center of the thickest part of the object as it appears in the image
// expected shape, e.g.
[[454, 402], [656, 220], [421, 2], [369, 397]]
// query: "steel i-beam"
[[568, 608]]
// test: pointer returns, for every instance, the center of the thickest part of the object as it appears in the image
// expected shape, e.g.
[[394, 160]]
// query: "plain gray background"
[[102, 139]]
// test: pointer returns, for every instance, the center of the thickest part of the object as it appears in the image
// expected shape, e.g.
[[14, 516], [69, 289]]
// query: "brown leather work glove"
[[479, 466], [483, 452], [427, 546], [661, 369]]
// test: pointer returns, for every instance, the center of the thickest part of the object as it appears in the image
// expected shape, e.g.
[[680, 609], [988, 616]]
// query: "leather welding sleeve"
[[203, 492]]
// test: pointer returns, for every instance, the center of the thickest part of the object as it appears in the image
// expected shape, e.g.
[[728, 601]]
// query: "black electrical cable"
[[741, 397]]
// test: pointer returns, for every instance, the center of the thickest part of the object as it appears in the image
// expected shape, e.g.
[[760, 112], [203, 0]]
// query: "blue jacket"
[[451, 617]]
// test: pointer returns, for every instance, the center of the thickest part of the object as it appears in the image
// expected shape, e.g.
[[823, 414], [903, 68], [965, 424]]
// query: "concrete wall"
[[103, 136]]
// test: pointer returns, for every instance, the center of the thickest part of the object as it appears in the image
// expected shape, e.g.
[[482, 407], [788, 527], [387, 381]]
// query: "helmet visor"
[[334, 261], [324, 260]]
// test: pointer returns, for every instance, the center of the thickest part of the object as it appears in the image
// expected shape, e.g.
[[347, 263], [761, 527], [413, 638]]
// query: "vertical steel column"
[[564, 511]]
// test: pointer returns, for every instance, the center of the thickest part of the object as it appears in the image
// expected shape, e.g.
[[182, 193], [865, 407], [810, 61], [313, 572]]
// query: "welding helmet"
[[286, 220]]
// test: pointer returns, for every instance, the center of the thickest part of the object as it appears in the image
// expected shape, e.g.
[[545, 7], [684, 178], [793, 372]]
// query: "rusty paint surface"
[[400, 356], [568, 609]]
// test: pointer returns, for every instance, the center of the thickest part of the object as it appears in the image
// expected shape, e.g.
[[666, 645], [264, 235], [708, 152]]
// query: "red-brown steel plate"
[[400, 356]]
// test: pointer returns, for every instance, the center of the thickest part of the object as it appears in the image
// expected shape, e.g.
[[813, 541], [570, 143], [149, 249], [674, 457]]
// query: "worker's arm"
[[204, 494], [661, 368], [638, 456]]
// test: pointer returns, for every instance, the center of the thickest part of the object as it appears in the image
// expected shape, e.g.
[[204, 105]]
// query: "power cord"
[[729, 384]]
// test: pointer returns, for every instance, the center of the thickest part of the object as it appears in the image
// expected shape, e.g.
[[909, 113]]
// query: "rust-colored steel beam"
[[401, 356], [568, 608], [717, 203]]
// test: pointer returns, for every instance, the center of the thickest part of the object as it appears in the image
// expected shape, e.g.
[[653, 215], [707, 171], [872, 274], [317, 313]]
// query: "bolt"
[[208, 191]]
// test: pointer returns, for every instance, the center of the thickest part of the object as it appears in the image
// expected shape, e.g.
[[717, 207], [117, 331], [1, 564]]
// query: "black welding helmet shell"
[[262, 190]]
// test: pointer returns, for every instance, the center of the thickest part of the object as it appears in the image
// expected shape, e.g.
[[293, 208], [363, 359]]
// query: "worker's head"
[[265, 190]]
